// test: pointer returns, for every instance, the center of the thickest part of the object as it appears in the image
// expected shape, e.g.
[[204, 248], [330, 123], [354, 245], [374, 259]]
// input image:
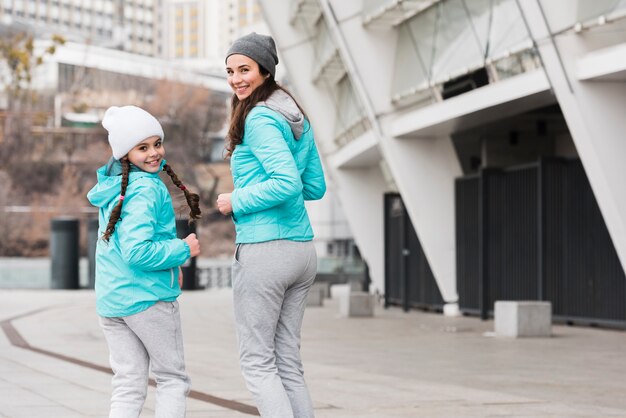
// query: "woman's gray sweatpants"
[[271, 281], [151, 339]]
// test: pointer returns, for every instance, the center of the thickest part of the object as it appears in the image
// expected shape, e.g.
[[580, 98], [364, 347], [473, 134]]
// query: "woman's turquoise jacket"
[[274, 173], [139, 265]]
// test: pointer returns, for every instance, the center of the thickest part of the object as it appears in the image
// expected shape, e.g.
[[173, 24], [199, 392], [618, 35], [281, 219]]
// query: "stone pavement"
[[53, 363]]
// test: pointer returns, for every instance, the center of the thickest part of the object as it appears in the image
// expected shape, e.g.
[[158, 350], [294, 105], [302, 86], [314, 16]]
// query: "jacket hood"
[[282, 103], [110, 182]]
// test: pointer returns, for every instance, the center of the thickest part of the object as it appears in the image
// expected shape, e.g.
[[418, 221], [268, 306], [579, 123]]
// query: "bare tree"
[[18, 56], [190, 115]]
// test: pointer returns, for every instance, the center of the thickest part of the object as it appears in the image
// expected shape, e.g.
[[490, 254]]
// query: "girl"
[[137, 263], [275, 167]]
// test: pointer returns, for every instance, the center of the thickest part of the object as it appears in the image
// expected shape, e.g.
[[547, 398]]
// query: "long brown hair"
[[239, 109], [193, 200]]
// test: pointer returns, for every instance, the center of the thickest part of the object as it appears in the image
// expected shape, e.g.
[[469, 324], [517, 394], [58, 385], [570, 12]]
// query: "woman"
[[275, 167]]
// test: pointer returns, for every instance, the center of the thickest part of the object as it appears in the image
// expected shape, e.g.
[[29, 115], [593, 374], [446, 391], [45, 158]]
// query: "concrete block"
[[356, 304], [338, 291], [325, 286], [315, 296], [356, 284], [523, 319]]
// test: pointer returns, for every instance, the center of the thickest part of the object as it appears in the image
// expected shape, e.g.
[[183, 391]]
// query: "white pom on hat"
[[128, 126]]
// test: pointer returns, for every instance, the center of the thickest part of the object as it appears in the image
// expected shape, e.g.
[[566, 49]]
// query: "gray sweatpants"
[[151, 339], [271, 281]]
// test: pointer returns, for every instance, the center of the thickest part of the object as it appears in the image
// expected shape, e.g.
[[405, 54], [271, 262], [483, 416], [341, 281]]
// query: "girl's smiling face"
[[244, 75], [148, 154]]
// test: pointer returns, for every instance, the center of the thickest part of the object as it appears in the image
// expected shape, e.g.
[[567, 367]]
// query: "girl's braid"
[[193, 200], [117, 210]]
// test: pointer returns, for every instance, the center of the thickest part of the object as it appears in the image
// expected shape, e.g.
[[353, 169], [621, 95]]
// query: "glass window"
[[373, 5], [324, 46], [563, 14], [454, 38], [508, 32], [410, 67], [108, 8], [349, 111]]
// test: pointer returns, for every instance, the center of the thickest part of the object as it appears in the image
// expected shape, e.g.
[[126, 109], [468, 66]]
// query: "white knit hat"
[[128, 126]]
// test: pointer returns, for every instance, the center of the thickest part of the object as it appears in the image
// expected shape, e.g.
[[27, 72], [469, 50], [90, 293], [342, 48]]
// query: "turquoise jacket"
[[274, 173], [139, 264]]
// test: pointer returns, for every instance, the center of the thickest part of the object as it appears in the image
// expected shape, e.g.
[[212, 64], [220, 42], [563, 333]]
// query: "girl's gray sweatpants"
[[149, 340], [271, 281]]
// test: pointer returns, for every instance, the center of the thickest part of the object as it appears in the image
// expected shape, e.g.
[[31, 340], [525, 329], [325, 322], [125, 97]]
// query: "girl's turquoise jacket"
[[139, 264], [274, 173]]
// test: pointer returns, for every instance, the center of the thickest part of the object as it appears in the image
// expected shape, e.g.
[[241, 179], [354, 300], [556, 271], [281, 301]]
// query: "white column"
[[361, 191], [423, 169], [594, 112]]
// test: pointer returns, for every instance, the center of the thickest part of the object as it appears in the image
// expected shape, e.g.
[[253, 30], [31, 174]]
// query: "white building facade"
[[133, 25], [199, 32], [413, 97], [194, 32]]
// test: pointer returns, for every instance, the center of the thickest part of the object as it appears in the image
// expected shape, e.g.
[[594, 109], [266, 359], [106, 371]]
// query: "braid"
[[193, 200], [117, 210]]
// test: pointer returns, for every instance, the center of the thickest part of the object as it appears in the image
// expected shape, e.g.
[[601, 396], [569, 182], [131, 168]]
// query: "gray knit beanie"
[[260, 48]]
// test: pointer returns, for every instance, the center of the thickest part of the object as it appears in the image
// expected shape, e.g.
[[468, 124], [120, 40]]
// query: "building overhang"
[[361, 152], [490, 103], [122, 62], [607, 64]]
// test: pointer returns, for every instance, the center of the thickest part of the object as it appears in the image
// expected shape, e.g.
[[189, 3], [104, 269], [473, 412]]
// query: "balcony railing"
[[305, 13], [389, 13]]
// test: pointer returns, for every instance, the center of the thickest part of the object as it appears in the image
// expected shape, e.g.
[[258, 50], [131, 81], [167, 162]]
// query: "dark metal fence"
[[409, 282], [536, 233]]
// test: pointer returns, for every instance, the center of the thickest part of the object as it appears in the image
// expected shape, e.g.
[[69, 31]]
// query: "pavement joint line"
[[17, 340]]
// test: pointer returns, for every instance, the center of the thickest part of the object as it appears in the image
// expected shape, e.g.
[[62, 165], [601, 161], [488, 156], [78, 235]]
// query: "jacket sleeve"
[[268, 145], [137, 229], [313, 182]]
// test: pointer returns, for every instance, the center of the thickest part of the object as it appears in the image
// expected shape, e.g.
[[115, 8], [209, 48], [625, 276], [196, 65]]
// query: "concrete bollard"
[[356, 304], [190, 281], [64, 253], [324, 287], [316, 295], [523, 318]]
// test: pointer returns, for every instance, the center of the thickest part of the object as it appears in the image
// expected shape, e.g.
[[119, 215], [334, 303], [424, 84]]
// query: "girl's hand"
[[180, 277], [194, 244], [223, 204]]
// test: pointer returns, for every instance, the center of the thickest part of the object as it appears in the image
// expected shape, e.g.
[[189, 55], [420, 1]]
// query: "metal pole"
[[92, 241], [190, 282], [64, 253], [483, 244]]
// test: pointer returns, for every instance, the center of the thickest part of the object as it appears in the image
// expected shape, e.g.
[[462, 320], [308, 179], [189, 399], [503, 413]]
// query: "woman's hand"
[[223, 204], [180, 277], [194, 245]]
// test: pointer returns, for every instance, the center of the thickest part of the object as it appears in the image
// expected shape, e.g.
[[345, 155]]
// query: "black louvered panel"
[[543, 237], [394, 245], [583, 277], [422, 288], [408, 277], [467, 214]]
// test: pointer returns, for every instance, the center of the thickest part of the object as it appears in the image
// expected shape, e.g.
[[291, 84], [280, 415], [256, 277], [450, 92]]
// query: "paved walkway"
[[53, 363]]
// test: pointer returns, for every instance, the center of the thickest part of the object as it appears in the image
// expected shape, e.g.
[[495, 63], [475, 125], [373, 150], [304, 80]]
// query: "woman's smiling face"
[[244, 75]]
